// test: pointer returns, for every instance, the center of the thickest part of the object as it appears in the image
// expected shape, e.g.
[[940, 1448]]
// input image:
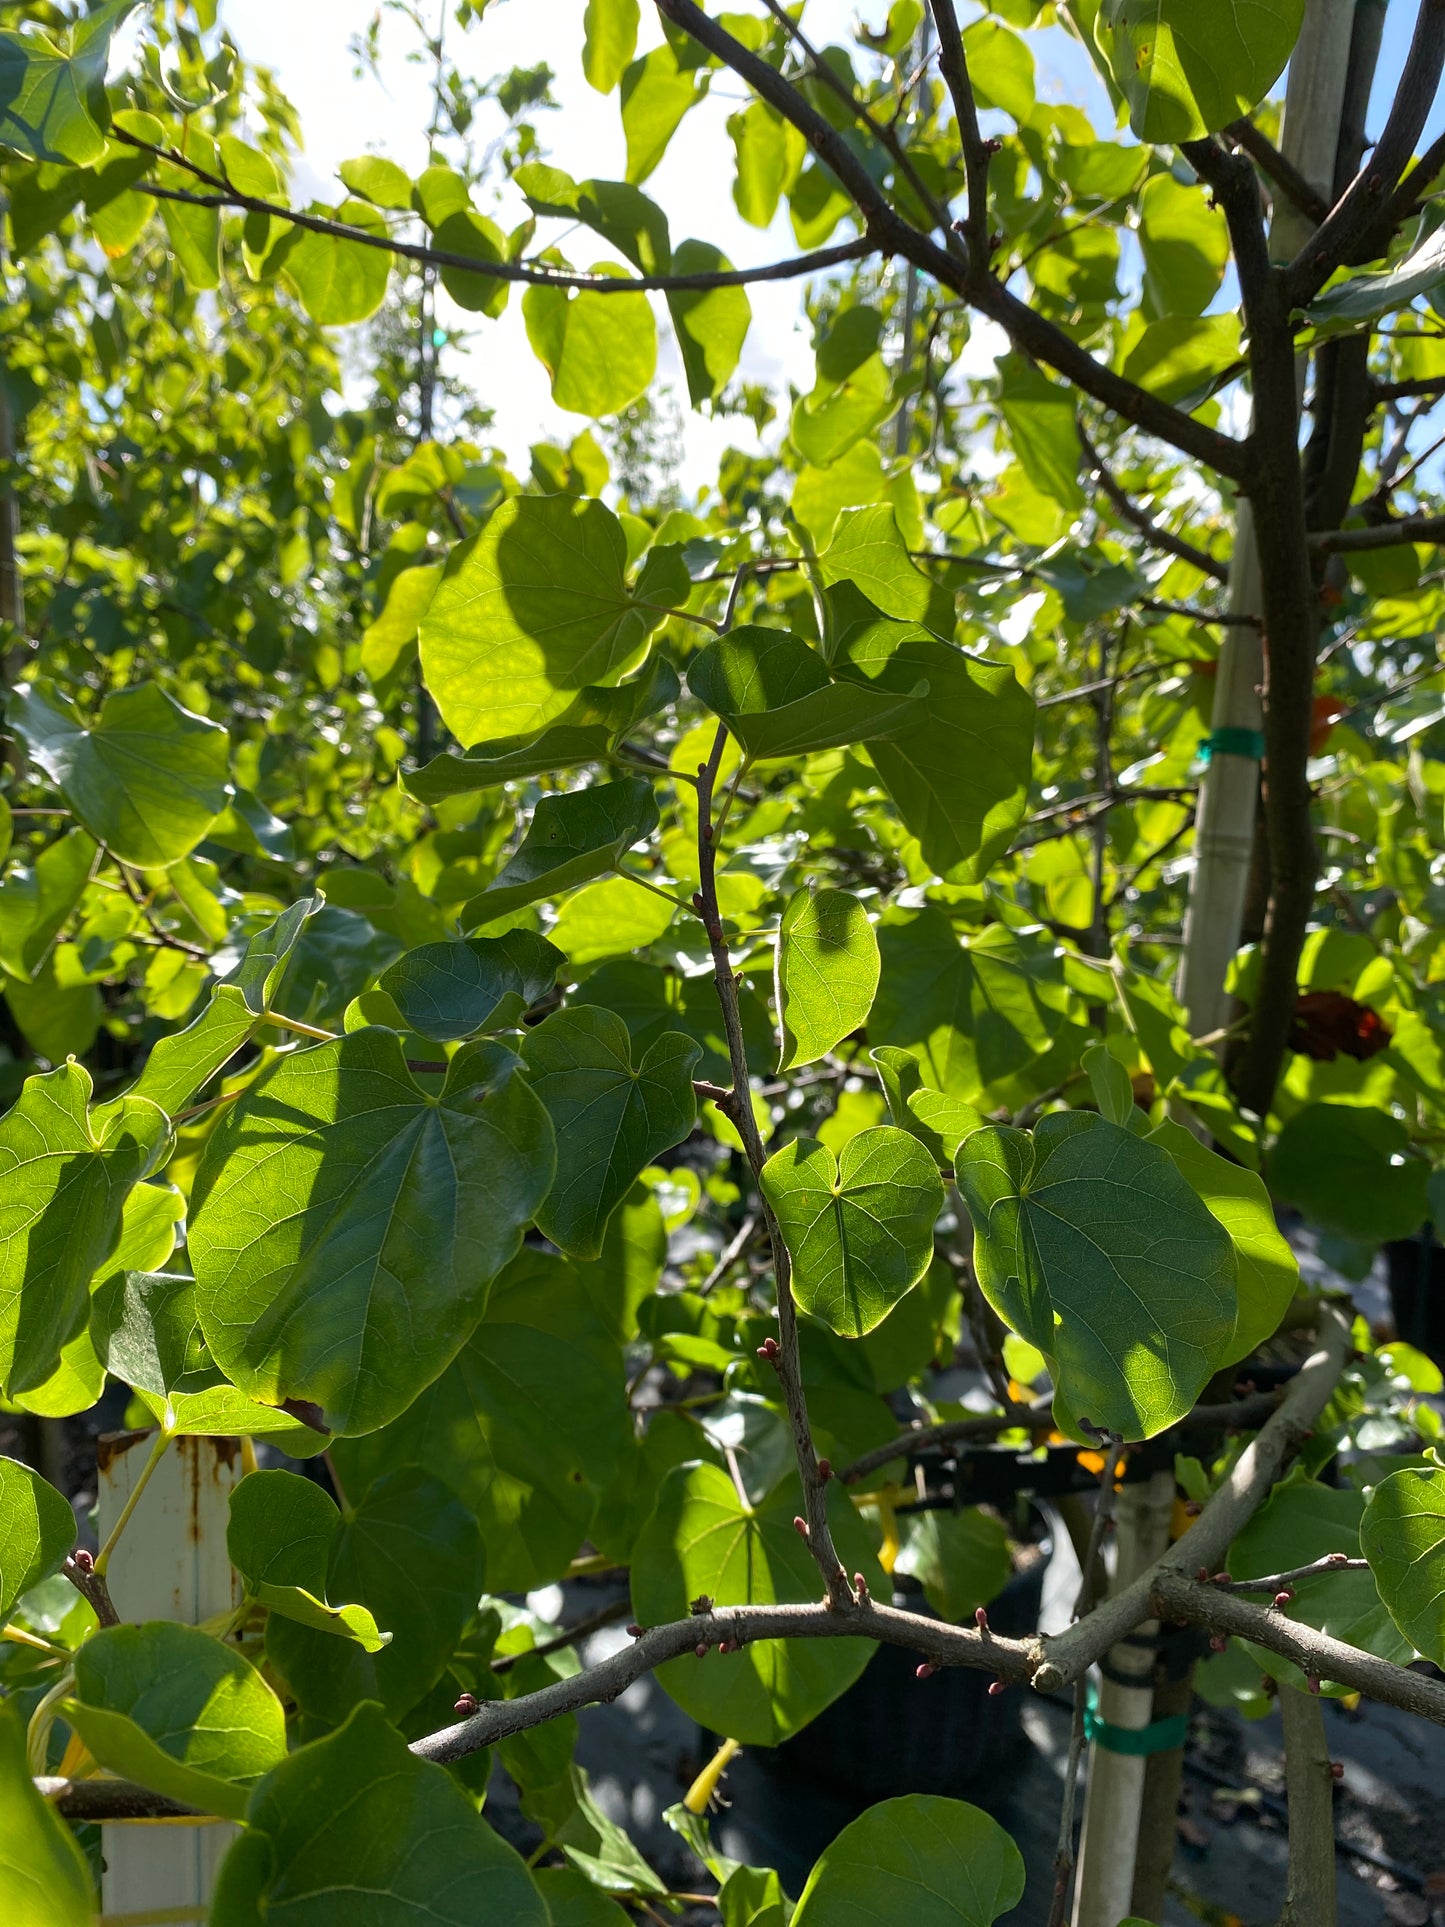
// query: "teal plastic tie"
[[1160, 1736], [1233, 742]]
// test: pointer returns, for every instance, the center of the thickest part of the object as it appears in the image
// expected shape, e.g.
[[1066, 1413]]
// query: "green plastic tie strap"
[[1233, 742], [1158, 1737]]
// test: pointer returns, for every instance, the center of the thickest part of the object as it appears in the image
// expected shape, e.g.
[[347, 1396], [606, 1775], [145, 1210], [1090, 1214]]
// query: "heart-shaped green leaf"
[[611, 1119], [529, 612], [869, 551], [147, 780], [827, 973], [453, 990], [570, 839], [1346, 1166], [703, 1538], [45, 1879], [959, 774], [1190, 67], [859, 1229], [146, 1331], [1302, 1522], [411, 1554], [357, 1814], [530, 1467], [1267, 1269], [149, 1227], [972, 1013], [55, 107], [279, 1537], [65, 1170], [1403, 1537], [776, 696], [584, 733], [180, 1064], [175, 1709], [1093, 1247], [347, 1225], [922, 1859], [37, 1530]]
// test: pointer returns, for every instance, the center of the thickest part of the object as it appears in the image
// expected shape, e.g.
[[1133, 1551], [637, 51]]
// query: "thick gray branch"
[[1063, 1659]]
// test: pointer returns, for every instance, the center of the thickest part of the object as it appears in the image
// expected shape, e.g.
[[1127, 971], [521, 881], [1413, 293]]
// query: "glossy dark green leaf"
[[179, 1065], [279, 1538], [347, 1225], [827, 973], [1403, 1537], [148, 779], [180, 1712], [529, 1465], [45, 1880], [146, 1331], [703, 1538], [1302, 1522], [777, 698], [453, 990], [529, 612], [972, 1013], [1267, 1270], [573, 1901], [410, 1552], [1358, 299], [355, 1831], [1345, 1165], [1090, 1244], [611, 1118], [922, 1859], [571, 839], [859, 1228], [65, 1170], [37, 1530]]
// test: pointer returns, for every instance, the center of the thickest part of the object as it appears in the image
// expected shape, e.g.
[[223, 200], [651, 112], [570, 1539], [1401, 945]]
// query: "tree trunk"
[[1229, 793], [1309, 1788]]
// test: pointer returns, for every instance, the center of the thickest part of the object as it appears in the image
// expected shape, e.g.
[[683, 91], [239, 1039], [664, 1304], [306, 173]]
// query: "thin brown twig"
[[224, 195], [1162, 538], [569, 1636], [736, 1105]]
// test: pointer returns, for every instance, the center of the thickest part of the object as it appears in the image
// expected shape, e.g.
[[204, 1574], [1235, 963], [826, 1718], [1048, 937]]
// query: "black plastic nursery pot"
[[883, 1737], [1416, 1270]]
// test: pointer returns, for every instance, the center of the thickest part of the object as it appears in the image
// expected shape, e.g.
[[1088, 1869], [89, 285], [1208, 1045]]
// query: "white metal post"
[[170, 1563]]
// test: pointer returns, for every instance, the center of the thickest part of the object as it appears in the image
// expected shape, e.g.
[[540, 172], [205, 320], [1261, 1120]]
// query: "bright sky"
[[304, 41]]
